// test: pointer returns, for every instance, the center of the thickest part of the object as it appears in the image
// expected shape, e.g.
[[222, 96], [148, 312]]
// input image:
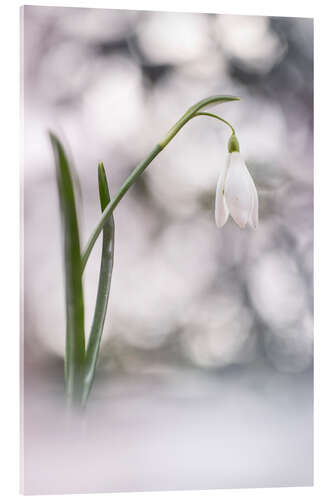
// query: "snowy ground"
[[172, 429]]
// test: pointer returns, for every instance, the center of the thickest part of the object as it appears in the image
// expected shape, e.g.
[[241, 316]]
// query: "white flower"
[[236, 194]]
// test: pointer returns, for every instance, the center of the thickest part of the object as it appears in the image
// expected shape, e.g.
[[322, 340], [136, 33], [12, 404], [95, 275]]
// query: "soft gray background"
[[205, 378]]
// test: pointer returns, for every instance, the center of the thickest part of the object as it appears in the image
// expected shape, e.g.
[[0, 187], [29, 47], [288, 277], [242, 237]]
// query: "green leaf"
[[103, 286], [75, 343]]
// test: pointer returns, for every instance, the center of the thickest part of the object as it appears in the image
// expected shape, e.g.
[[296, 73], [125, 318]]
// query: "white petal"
[[221, 209], [238, 191], [253, 219]]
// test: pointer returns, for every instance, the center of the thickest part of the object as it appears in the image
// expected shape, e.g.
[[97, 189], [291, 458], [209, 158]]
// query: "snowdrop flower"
[[236, 193]]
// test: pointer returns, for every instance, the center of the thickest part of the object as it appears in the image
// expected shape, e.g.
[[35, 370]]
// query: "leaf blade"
[[104, 284], [75, 341]]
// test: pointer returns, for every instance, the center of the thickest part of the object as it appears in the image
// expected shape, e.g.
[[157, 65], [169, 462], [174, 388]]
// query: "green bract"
[[233, 144]]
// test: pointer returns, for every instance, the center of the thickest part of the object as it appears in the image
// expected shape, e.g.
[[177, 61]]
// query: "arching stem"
[[192, 112], [211, 115]]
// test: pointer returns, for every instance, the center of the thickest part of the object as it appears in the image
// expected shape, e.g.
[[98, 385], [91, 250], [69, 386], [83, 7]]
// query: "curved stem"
[[114, 202], [190, 113], [218, 118]]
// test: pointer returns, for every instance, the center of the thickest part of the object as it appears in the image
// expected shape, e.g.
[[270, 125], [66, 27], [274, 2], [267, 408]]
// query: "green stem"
[[114, 202], [194, 111], [190, 113], [211, 115]]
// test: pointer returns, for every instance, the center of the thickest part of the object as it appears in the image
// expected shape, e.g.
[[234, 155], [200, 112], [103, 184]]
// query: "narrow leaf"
[[103, 286], [75, 343]]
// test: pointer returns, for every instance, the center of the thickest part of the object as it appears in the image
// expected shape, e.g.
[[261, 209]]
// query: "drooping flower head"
[[236, 192]]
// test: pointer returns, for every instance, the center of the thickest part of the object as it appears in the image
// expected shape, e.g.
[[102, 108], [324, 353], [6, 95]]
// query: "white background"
[[10, 236]]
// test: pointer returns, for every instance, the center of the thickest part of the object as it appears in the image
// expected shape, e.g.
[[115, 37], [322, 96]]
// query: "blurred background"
[[205, 374]]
